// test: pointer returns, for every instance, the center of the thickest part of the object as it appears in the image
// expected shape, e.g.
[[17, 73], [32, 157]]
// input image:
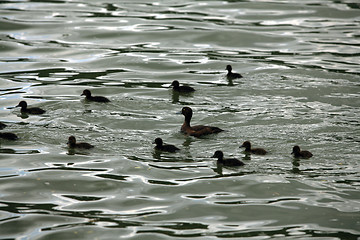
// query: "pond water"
[[300, 86]]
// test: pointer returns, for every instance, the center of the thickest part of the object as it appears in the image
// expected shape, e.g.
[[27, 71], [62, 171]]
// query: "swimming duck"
[[196, 131], [87, 93], [164, 147], [32, 110], [2, 125], [72, 144], [227, 161], [301, 154], [247, 146], [8, 136], [230, 75], [183, 89]]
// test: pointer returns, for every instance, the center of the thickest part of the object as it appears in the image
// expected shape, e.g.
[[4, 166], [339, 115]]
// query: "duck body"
[[164, 147], [32, 110], [230, 162], [301, 154], [248, 149], [230, 75], [196, 131], [73, 144], [181, 89], [8, 136], [89, 97]]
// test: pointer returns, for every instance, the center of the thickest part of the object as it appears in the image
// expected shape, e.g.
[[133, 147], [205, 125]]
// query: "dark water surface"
[[301, 85]]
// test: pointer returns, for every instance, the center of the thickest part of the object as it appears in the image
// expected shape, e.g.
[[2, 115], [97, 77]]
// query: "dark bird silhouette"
[[196, 131], [8, 136], [301, 154], [230, 75], [87, 93], [164, 147], [248, 149], [182, 89], [32, 110], [227, 161], [73, 144]]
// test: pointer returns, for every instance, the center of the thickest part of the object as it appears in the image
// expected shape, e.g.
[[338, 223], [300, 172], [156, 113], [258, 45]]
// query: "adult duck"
[[196, 131]]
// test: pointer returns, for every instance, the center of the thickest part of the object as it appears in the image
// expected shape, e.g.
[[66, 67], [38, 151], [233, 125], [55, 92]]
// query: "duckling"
[[196, 131], [87, 93], [182, 89], [230, 162], [247, 146], [164, 147], [301, 154], [230, 75], [72, 144], [32, 110]]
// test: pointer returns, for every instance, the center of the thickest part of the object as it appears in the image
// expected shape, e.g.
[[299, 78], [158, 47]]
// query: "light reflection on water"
[[300, 86]]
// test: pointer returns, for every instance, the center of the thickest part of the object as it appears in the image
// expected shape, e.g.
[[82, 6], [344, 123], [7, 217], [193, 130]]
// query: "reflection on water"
[[300, 86]]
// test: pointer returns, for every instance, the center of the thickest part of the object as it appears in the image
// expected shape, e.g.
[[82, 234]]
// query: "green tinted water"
[[301, 86]]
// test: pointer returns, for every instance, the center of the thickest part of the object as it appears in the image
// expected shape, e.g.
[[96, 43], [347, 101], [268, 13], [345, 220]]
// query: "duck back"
[[231, 162], [8, 136], [98, 99], [34, 110]]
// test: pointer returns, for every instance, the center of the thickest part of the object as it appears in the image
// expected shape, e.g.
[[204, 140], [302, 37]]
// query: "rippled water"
[[300, 62]]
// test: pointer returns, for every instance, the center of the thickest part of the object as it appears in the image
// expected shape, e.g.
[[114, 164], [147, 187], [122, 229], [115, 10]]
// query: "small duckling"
[[87, 93], [196, 131], [227, 161], [32, 110], [182, 89], [8, 136], [230, 75], [72, 144], [248, 149], [164, 147], [301, 154]]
